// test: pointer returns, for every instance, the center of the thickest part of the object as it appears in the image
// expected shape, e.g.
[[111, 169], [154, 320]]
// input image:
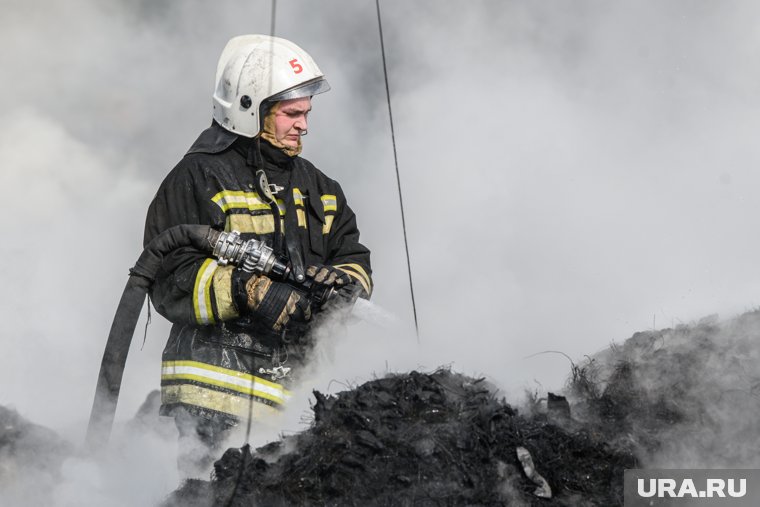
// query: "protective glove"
[[272, 304], [328, 276], [324, 279]]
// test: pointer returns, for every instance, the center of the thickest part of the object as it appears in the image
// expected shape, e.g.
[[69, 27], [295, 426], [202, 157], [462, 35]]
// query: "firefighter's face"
[[290, 120]]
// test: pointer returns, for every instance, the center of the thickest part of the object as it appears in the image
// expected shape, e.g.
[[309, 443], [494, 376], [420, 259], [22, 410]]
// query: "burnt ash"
[[418, 439]]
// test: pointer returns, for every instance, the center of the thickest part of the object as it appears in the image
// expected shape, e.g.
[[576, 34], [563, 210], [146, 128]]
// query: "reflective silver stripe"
[[202, 293], [330, 202], [236, 199], [221, 377]]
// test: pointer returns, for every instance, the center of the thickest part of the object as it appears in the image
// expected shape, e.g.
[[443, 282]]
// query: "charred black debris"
[[439, 439]]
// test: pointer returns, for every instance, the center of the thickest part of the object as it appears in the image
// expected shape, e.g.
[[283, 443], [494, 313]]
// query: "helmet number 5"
[[297, 68]]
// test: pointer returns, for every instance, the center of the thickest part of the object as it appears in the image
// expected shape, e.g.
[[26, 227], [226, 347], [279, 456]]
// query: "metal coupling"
[[252, 256], [227, 247]]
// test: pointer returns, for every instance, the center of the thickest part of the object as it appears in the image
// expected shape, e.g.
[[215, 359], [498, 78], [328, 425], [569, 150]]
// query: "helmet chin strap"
[[268, 133]]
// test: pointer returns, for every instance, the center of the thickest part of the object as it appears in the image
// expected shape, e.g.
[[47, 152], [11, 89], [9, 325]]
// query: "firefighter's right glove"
[[272, 304]]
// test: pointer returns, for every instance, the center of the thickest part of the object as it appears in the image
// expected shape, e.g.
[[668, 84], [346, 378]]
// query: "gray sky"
[[572, 172]]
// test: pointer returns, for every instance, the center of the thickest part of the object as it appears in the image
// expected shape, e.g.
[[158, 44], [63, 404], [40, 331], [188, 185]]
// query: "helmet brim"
[[307, 89]]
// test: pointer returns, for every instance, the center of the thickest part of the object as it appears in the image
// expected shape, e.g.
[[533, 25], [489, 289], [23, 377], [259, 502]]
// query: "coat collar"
[[214, 139]]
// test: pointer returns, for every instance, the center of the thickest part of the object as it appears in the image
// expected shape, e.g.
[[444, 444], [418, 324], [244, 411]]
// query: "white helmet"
[[254, 69]]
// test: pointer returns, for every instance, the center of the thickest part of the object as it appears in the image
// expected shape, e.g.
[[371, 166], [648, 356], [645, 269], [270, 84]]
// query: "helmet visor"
[[307, 89]]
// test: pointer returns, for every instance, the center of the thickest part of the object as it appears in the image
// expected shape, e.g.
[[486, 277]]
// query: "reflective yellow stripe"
[[239, 199], [218, 383], [330, 202], [227, 199], [258, 224], [227, 371], [232, 404], [222, 285], [301, 218], [237, 381], [358, 279], [359, 273], [202, 293], [297, 196], [328, 224]]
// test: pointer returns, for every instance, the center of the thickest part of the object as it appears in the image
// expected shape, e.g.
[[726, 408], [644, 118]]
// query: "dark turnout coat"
[[217, 362]]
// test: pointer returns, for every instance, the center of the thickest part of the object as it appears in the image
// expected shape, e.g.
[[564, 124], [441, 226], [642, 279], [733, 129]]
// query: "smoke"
[[60, 266], [585, 166], [571, 174], [682, 398]]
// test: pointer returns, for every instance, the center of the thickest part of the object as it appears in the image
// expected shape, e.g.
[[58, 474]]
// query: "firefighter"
[[238, 339]]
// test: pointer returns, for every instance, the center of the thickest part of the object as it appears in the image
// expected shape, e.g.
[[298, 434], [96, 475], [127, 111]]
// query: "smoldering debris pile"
[[677, 398], [687, 397], [419, 439]]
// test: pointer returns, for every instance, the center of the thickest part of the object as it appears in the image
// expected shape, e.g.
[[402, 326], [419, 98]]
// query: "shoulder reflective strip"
[[330, 202], [244, 384], [202, 293], [328, 224], [243, 222], [222, 284], [211, 399], [238, 199], [358, 272], [297, 196]]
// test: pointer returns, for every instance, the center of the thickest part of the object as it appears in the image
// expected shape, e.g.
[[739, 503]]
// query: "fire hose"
[[252, 256]]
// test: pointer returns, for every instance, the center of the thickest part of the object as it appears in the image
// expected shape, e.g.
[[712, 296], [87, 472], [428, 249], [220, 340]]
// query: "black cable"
[[273, 18], [246, 449], [398, 176], [275, 217]]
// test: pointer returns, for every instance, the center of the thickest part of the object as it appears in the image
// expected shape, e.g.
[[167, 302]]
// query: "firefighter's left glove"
[[334, 287], [272, 304], [328, 276]]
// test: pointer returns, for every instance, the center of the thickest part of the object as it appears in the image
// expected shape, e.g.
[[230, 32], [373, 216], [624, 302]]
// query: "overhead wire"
[[246, 446], [398, 175], [273, 19], [245, 449]]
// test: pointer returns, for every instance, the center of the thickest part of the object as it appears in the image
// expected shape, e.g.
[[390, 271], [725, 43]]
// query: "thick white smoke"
[[571, 174], [60, 263]]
